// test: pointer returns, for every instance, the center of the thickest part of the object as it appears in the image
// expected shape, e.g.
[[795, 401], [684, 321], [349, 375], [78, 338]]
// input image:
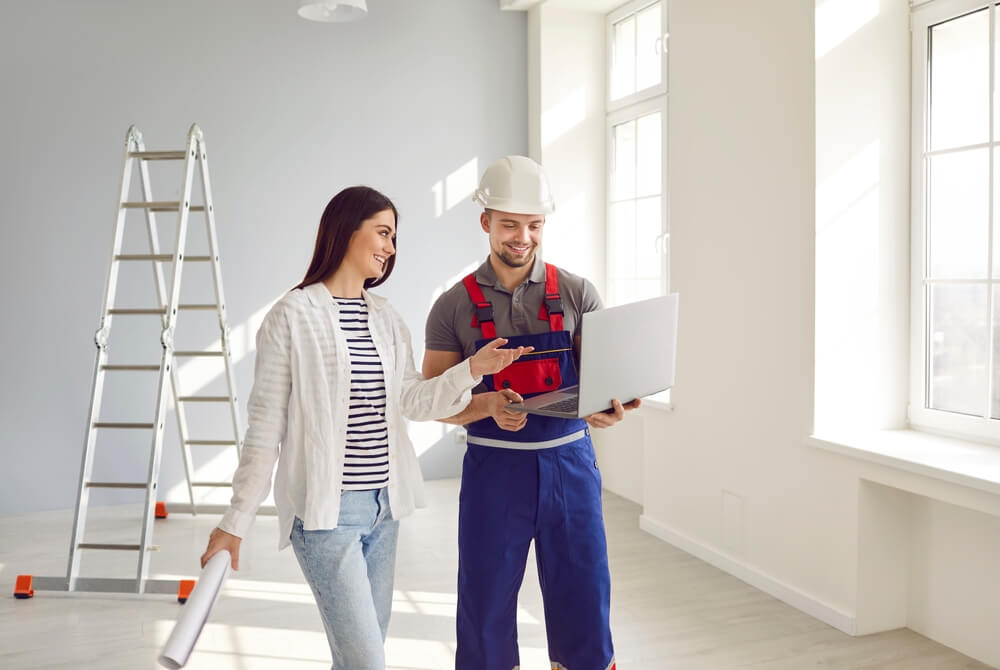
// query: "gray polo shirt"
[[449, 325]]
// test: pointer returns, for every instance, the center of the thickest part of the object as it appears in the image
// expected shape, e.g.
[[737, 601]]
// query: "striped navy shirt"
[[366, 461]]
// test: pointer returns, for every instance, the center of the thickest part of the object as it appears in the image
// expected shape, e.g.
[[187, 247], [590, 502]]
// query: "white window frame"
[[662, 241], [623, 12], [923, 16], [640, 103]]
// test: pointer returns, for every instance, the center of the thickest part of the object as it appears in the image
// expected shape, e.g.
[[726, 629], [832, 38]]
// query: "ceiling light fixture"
[[332, 10]]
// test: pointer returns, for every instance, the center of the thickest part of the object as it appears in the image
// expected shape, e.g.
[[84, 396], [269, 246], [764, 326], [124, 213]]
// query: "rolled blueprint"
[[195, 612]]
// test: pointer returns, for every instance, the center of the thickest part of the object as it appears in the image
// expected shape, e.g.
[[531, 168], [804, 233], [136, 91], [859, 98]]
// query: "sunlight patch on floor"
[[226, 647], [222, 646], [440, 604], [428, 655]]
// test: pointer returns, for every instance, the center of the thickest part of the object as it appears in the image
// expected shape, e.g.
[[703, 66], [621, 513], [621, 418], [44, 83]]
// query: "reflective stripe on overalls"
[[539, 484]]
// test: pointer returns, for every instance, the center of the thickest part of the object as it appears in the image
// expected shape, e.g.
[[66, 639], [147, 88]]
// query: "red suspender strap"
[[483, 318], [552, 307]]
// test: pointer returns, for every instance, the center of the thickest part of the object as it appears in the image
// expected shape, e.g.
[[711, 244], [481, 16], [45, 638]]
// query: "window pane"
[[959, 100], [621, 289], [624, 171], [996, 74], [958, 348], [648, 57], [630, 290], [623, 59], [996, 214], [995, 401], [622, 240], [645, 288], [648, 243], [959, 202], [649, 152]]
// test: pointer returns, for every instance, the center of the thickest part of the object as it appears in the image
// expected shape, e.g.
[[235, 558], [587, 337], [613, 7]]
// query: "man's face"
[[514, 238]]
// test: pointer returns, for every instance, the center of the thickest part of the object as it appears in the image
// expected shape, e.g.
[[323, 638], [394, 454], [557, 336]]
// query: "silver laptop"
[[626, 352]]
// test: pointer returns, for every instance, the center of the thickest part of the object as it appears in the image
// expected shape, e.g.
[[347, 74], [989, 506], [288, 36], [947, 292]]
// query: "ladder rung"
[[198, 353], [113, 585], [161, 258], [220, 484], [216, 443], [161, 310], [114, 547], [203, 398], [117, 485], [159, 155], [161, 206], [118, 424], [134, 310], [150, 368]]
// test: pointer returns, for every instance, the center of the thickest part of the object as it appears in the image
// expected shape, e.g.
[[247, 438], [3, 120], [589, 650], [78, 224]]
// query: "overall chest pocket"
[[531, 376]]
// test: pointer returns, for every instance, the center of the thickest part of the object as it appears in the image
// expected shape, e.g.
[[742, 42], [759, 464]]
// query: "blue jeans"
[[350, 571]]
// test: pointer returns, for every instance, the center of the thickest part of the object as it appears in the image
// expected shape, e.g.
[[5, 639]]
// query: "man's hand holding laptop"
[[612, 415]]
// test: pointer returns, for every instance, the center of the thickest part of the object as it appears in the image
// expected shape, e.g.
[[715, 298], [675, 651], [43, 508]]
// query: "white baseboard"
[[826, 613], [209, 508]]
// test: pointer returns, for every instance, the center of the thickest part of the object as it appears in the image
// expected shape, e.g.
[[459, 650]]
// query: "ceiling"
[[600, 6]]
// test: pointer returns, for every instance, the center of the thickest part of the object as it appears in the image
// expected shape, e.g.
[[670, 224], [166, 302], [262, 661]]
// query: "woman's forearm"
[[478, 408]]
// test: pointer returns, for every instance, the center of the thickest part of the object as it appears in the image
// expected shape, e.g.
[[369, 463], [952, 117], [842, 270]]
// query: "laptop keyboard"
[[565, 405]]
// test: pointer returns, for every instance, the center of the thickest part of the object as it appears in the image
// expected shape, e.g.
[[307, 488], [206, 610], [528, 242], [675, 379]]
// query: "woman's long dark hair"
[[343, 215]]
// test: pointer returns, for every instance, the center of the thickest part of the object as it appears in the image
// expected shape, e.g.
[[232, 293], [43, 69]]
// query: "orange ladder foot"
[[22, 587], [161, 510], [185, 589]]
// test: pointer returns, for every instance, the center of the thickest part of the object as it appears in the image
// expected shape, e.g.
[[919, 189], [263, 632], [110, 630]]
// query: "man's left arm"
[[591, 301]]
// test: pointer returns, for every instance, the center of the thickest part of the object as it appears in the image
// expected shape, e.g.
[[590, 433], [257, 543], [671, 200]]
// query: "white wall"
[[954, 591], [862, 252], [567, 134], [727, 473], [777, 283], [415, 100], [862, 214], [921, 562]]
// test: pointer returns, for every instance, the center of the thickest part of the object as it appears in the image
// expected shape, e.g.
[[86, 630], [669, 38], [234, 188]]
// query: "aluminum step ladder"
[[194, 156]]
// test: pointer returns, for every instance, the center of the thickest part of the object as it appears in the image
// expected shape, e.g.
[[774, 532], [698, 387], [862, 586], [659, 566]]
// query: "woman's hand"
[[219, 540], [496, 403], [492, 359]]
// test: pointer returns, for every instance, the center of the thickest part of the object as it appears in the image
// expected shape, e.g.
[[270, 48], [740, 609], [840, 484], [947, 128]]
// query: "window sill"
[[967, 464], [652, 405]]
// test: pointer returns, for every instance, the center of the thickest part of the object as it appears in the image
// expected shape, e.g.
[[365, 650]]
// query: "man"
[[525, 477]]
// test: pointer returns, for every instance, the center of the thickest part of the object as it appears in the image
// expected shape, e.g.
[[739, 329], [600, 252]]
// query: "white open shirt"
[[299, 407]]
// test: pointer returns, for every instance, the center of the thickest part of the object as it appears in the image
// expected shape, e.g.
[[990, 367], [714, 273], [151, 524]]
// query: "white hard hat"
[[515, 184]]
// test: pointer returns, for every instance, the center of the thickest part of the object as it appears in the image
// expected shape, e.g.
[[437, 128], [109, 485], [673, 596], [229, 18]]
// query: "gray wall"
[[292, 112]]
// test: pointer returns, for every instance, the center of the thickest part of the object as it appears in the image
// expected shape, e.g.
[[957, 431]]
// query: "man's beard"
[[516, 262]]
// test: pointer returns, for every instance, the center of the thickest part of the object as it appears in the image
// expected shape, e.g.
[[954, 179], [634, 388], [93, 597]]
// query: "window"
[[636, 121], [955, 180]]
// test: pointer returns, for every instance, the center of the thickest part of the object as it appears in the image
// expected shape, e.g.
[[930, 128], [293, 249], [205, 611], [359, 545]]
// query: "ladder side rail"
[[165, 368], [220, 298], [182, 432], [151, 230], [153, 235], [133, 136]]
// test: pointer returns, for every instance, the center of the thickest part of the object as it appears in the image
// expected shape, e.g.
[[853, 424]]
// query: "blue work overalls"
[[540, 483]]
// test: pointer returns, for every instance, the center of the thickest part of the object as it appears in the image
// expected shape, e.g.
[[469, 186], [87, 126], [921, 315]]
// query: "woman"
[[333, 379]]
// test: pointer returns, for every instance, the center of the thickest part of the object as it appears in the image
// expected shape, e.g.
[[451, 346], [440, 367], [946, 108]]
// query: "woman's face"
[[371, 245]]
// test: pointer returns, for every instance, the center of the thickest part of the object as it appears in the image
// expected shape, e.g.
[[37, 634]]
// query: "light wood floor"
[[669, 610]]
